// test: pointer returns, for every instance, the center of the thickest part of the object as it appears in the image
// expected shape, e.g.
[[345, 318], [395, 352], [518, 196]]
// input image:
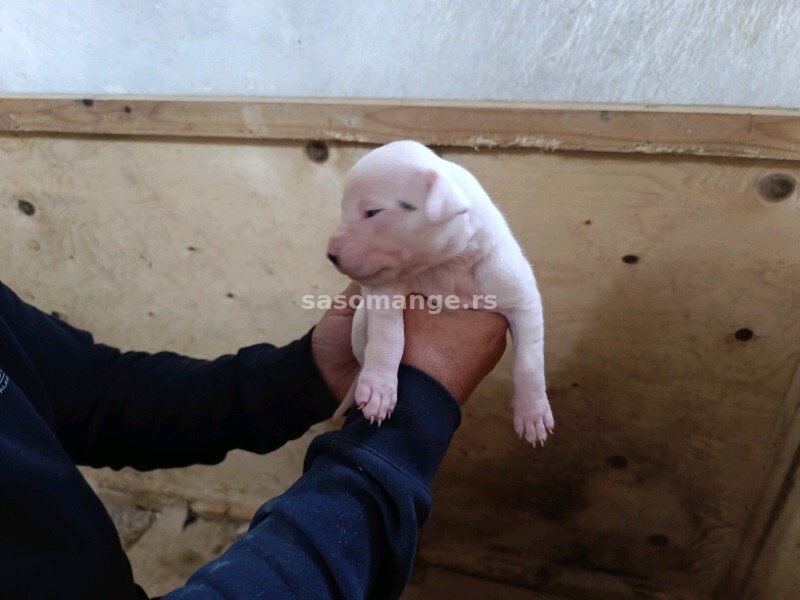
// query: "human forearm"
[[348, 527], [166, 410], [112, 408]]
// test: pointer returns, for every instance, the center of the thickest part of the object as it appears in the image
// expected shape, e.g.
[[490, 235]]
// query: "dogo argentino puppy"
[[413, 222]]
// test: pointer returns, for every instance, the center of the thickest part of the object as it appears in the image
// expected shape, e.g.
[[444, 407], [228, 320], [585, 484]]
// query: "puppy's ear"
[[445, 199]]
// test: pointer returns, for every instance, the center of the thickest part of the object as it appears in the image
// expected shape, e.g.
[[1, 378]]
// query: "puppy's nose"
[[333, 258]]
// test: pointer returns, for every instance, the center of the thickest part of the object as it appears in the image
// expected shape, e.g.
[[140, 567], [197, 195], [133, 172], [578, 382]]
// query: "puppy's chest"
[[457, 282]]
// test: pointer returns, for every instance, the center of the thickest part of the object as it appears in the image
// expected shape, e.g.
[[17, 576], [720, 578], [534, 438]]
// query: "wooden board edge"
[[778, 507], [644, 129], [774, 573]]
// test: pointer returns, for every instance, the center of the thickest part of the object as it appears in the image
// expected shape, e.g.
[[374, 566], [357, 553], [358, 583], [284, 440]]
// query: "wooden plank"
[[703, 131], [641, 351], [777, 572], [768, 565], [666, 421], [430, 583]]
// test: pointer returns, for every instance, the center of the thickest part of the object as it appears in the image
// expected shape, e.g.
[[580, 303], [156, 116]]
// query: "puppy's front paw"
[[533, 419], [376, 394]]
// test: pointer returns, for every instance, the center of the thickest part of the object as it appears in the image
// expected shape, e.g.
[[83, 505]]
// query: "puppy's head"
[[401, 215]]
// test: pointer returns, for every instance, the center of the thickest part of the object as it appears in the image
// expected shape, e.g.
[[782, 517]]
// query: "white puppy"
[[413, 222]]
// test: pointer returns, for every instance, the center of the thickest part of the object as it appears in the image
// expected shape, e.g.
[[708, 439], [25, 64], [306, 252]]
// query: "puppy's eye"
[[371, 213], [405, 205]]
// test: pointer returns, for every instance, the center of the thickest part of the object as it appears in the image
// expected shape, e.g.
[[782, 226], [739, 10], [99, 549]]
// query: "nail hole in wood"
[[776, 187], [743, 334], [659, 540], [128, 109], [617, 461], [87, 102], [26, 207], [317, 151], [630, 259]]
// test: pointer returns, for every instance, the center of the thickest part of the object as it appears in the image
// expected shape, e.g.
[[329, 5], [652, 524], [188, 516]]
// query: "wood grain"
[[668, 426], [766, 566], [702, 131]]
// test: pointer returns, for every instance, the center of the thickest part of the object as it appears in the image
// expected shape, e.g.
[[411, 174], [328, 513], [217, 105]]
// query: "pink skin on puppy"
[[415, 223]]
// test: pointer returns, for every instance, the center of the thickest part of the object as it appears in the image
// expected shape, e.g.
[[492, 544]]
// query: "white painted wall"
[[734, 52]]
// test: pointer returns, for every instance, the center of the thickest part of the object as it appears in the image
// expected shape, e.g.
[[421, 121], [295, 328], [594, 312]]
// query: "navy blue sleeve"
[[348, 527], [56, 538], [149, 411]]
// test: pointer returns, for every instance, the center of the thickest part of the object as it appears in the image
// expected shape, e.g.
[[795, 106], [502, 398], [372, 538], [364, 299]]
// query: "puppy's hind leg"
[[533, 417]]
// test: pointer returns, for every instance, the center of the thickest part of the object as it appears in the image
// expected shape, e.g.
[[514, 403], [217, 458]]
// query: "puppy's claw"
[[533, 421], [376, 392]]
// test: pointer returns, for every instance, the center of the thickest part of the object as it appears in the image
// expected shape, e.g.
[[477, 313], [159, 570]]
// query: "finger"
[[352, 289], [348, 307]]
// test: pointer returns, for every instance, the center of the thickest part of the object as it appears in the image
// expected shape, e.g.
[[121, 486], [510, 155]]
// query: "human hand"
[[332, 349], [458, 348]]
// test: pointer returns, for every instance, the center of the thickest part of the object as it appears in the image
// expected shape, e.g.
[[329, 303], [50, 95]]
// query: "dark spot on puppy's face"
[[406, 206]]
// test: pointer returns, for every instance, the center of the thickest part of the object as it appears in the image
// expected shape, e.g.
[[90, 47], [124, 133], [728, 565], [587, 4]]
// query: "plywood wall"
[[670, 288]]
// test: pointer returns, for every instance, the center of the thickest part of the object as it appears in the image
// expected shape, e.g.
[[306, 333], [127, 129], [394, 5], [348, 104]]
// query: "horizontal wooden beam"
[[701, 131]]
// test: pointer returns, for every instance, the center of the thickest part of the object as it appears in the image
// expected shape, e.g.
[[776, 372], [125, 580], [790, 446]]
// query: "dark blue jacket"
[[346, 529]]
